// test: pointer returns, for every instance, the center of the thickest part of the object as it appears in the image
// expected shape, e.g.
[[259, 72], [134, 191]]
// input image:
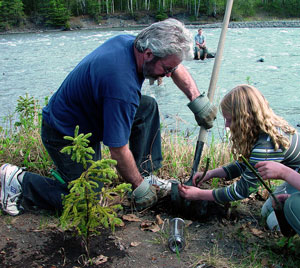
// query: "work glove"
[[205, 112], [144, 196]]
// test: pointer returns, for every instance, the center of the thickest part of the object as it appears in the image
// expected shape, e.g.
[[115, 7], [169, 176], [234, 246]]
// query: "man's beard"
[[148, 70]]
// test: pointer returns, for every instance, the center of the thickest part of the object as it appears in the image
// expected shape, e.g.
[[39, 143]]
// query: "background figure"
[[102, 95], [200, 44], [258, 134]]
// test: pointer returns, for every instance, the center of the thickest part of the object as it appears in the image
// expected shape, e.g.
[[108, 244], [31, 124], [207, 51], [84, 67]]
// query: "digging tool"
[[199, 208]]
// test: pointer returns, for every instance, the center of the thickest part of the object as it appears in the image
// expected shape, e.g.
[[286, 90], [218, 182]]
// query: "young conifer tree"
[[84, 209]]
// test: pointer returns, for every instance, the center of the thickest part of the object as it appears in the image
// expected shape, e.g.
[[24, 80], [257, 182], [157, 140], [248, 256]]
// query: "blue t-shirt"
[[101, 94], [199, 38]]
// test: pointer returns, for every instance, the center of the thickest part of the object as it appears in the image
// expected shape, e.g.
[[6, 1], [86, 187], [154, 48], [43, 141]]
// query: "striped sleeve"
[[263, 150], [234, 170]]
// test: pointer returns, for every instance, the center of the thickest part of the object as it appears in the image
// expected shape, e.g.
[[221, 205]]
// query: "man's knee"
[[148, 102], [292, 211]]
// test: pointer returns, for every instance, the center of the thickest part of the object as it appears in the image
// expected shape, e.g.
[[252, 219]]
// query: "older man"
[[102, 95]]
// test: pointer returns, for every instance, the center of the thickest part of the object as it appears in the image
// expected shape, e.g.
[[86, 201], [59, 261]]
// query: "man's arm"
[[184, 81], [126, 165], [204, 111], [204, 43]]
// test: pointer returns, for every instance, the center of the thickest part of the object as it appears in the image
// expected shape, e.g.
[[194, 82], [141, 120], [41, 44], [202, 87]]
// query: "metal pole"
[[185, 204], [212, 86]]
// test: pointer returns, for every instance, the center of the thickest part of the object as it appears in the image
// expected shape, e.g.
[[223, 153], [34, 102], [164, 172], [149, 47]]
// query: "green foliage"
[[93, 9], [283, 8], [79, 150], [56, 13], [20, 143], [286, 242], [85, 208], [26, 107], [11, 13], [161, 16], [242, 8]]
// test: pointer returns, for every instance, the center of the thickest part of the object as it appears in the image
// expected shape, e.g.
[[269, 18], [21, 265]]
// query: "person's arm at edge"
[[274, 170]]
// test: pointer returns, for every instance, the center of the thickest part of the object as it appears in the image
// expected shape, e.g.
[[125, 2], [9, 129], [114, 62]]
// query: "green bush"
[[242, 9], [161, 16]]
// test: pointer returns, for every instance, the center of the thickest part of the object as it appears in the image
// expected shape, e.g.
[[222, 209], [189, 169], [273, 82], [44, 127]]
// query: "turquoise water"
[[37, 64]]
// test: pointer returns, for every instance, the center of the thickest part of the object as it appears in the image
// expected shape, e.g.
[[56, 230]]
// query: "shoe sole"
[[3, 186], [2, 168]]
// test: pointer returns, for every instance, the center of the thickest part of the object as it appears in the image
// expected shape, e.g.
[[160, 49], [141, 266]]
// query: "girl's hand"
[[197, 176], [189, 192]]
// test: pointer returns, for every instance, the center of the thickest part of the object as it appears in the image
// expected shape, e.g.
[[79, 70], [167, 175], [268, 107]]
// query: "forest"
[[57, 13]]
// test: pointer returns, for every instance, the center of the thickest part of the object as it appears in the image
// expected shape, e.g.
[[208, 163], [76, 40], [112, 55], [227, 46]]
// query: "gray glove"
[[144, 196], [205, 112]]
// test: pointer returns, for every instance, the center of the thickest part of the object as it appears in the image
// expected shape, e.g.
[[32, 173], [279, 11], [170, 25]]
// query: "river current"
[[37, 63]]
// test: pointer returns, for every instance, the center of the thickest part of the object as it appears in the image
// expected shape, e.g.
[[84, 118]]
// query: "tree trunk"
[[99, 4], [112, 6], [198, 8]]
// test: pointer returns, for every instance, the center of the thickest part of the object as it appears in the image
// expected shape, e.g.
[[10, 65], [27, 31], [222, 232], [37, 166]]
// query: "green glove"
[[144, 196], [205, 112]]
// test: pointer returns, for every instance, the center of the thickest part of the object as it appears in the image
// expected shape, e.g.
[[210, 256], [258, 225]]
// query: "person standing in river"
[[102, 95], [258, 134]]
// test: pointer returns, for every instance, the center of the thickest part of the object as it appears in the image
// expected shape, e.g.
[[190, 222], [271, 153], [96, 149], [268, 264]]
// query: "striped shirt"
[[263, 150]]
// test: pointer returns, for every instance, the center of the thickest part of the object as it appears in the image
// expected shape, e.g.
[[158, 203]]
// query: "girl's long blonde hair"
[[251, 115]]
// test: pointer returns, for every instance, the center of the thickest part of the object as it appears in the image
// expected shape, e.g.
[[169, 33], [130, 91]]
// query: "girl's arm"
[[194, 193]]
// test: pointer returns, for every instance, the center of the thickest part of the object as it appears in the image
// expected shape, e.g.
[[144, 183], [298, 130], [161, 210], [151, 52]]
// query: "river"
[[37, 63]]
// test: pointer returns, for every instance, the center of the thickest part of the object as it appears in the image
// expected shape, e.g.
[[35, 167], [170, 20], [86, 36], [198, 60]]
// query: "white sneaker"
[[161, 183], [10, 189]]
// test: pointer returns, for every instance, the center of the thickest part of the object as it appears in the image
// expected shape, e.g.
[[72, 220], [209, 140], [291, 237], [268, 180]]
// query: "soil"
[[217, 237]]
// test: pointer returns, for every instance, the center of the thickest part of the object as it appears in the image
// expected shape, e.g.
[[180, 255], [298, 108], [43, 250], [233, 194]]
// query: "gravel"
[[255, 24]]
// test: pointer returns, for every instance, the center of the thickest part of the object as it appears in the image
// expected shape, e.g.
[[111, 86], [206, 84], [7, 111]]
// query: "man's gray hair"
[[165, 38]]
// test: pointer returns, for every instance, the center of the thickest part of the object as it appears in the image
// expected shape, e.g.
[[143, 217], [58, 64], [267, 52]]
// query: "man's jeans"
[[145, 144]]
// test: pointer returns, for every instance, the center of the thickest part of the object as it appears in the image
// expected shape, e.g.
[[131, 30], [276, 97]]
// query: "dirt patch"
[[223, 237]]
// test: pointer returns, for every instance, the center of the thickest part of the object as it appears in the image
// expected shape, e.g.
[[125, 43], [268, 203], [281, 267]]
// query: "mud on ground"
[[222, 237]]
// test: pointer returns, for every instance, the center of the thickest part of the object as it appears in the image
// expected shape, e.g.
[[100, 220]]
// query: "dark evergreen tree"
[[11, 13], [54, 13]]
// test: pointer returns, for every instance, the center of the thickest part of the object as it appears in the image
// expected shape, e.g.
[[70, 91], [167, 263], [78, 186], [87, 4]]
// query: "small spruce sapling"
[[85, 209]]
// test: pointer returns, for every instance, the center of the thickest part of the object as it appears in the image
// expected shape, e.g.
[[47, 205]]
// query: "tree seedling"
[[84, 208]]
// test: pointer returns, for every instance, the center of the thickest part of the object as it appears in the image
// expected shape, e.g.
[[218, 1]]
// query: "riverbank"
[[119, 22]]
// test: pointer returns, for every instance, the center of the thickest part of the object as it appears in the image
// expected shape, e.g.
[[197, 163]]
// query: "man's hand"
[[144, 196], [205, 112]]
